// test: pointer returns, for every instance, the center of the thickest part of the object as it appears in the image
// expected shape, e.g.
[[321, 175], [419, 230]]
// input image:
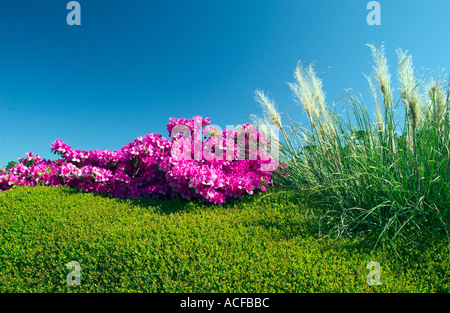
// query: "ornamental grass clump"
[[386, 177]]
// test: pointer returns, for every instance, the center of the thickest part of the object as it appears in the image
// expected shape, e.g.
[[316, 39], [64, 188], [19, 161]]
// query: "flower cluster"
[[198, 162]]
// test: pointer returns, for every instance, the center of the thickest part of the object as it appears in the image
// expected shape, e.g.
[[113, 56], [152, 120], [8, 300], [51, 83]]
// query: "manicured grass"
[[257, 244]]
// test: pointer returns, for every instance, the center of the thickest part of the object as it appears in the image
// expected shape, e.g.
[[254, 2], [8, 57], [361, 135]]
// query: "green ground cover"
[[264, 243]]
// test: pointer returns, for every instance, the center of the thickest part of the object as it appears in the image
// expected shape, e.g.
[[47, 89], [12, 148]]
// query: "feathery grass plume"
[[408, 87], [308, 90], [378, 114], [271, 117], [381, 70], [383, 76], [302, 88], [438, 99], [317, 87]]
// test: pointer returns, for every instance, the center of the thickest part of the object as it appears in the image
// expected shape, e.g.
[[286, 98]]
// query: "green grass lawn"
[[256, 244]]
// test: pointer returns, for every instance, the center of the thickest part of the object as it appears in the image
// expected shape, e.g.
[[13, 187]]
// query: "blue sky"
[[131, 65]]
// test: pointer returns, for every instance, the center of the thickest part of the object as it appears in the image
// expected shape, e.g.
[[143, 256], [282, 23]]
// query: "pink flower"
[[188, 166]]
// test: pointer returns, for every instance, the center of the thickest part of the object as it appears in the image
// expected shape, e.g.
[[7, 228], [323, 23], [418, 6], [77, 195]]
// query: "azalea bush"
[[197, 162]]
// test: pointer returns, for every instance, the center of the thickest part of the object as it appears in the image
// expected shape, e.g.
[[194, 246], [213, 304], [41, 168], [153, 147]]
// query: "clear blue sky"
[[131, 65]]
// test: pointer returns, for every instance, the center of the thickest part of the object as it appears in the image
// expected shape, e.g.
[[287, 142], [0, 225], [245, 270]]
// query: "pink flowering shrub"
[[199, 162]]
